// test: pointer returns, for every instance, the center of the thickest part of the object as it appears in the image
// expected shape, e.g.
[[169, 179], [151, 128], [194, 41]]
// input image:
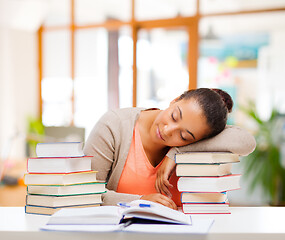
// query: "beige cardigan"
[[109, 143]]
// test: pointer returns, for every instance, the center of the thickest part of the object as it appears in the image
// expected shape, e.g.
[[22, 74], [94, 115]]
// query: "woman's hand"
[[164, 172], [159, 198]]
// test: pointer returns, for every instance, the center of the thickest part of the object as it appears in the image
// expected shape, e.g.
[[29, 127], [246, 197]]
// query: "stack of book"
[[204, 180], [61, 177]]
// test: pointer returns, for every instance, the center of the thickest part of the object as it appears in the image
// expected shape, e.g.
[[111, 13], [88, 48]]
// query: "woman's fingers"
[[167, 183], [168, 202], [159, 198], [157, 185], [162, 185]]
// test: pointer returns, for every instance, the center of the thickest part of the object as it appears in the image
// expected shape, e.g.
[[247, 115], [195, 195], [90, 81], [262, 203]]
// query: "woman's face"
[[182, 123]]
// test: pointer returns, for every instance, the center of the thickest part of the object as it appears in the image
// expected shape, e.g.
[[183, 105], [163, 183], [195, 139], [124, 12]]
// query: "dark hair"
[[215, 103]]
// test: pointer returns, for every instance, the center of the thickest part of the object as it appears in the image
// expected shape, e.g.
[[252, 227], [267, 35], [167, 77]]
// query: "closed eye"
[[184, 139], [172, 116]]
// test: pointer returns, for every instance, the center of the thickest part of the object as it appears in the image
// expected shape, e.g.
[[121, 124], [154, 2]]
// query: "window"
[[101, 54]]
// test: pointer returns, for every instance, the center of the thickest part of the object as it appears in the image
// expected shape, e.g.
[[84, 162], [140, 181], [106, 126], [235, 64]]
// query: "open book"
[[138, 211]]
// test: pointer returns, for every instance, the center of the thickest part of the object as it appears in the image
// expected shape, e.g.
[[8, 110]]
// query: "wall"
[[18, 88], [1, 88]]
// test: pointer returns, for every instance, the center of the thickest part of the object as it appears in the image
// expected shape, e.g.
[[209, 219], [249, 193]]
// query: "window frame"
[[189, 23]]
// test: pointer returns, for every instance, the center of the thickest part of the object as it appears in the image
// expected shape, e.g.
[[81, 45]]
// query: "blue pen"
[[143, 205], [122, 204], [126, 205]]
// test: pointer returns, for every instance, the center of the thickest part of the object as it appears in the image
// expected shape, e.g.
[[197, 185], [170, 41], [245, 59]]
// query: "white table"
[[243, 223]]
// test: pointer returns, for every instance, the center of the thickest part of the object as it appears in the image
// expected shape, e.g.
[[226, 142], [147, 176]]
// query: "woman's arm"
[[101, 144], [232, 139]]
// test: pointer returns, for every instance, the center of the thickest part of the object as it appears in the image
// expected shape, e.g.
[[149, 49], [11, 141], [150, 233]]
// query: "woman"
[[129, 145]]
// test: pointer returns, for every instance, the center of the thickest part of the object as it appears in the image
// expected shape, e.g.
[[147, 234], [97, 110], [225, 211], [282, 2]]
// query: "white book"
[[62, 201], [199, 226], [203, 169], [209, 184], [60, 149], [59, 190], [204, 197], [59, 179], [193, 208], [139, 209], [51, 210], [206, 157], [59, 164]]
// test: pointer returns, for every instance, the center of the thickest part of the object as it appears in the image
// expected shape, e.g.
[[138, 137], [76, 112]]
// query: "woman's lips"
[[158, 134]]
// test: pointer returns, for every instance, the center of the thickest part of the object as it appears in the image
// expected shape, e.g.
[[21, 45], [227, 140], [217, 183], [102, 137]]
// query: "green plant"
[[263, 166], [35, 134]]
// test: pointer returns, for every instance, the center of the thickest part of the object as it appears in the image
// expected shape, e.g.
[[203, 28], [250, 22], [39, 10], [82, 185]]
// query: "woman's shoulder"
[[120, 114], [126, 112]]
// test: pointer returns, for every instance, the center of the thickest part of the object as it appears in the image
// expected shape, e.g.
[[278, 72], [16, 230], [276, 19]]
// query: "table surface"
[[242, 223]]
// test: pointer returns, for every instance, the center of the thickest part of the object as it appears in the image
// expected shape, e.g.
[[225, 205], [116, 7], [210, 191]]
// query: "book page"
[[155, 211], [81, 228], [88, 215]]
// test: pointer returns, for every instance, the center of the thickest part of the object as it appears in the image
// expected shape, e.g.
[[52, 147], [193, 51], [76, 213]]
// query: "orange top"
[[138, 175]]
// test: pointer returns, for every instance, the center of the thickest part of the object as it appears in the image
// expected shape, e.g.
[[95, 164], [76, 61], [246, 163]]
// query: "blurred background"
[[63, 63]]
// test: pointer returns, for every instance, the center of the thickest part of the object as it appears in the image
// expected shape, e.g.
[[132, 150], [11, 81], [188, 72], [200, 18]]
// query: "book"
[[59, 164], [206, 157], [62, 201], [60, 149], [216, 169], [209, 184], [61, 190], [204, 197], [208, 208], [59, 179], [201, 226], [51, 210], [138, 211]]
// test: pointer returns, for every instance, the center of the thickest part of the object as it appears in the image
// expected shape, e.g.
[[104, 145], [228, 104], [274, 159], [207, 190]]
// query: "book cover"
[[59, 179], [59, 190], [59, 164], [206, 157], [192, 170], [209, 184], [60, 149]]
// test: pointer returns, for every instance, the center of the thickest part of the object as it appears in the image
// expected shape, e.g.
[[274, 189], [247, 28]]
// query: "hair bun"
[[226, 98]]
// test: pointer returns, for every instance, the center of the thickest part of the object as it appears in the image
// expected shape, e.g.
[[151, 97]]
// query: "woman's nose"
[[169, 129]]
